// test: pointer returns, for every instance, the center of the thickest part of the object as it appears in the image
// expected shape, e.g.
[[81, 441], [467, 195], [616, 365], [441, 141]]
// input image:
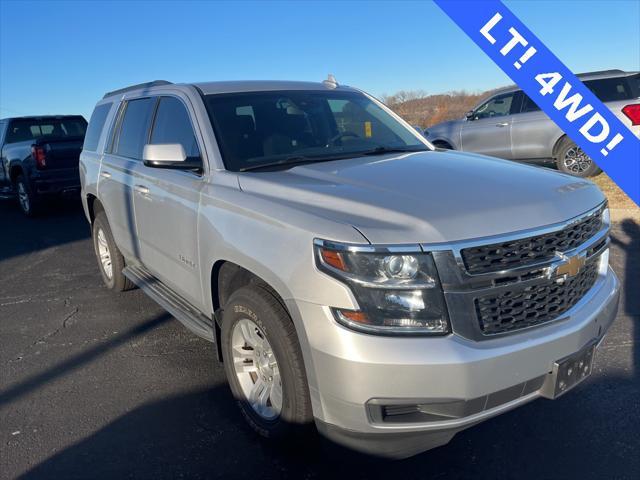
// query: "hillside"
[[424, 110]]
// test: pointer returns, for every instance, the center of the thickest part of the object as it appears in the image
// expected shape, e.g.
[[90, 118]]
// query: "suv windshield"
[[282, 128]]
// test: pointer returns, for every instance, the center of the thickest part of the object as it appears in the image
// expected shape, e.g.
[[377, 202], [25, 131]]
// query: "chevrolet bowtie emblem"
[[571, 267]]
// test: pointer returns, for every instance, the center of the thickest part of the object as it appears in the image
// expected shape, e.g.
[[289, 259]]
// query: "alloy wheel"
[[104, 254], [23, 197], [576, 161], [256, 369]]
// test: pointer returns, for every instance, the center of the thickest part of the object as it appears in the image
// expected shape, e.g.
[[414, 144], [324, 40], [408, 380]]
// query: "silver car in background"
[[510, 125]]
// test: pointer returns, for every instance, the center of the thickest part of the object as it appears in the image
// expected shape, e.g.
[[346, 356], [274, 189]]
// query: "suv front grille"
[[526, 251], [533, 305]]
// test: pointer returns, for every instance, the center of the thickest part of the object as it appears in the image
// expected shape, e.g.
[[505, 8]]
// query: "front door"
[[488, 130], [166, 206]]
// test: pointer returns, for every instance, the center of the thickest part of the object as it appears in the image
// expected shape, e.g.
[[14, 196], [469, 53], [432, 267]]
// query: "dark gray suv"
[[510, 125]]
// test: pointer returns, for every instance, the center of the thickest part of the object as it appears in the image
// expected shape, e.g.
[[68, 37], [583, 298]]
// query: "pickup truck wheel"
[[263, 363], [26, 198], [110, 260], [574, 161]]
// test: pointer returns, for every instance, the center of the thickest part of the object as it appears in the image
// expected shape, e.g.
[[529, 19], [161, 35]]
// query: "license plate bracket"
[[570, 371]]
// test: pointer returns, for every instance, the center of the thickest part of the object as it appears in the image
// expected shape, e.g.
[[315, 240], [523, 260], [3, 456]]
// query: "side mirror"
[[168, 155], [469, 115]]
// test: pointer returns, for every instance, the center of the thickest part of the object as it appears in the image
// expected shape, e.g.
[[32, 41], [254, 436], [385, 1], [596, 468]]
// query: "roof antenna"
[[331, 81]]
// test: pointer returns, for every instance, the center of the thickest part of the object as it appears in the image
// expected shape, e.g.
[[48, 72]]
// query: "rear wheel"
[[110, 260], [263, 363], [573, 160], [27, 199]]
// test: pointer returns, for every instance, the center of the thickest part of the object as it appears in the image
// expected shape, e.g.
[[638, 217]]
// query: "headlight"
[[398, 291], [606, 217]]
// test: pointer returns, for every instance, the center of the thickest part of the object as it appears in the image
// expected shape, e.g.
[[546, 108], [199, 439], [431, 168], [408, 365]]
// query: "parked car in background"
[[349, 275], [40, 157], [510, 125]]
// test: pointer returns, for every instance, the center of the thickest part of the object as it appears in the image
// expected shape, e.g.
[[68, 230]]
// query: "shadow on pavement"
[[62, 221], [630, 300], [77, 361]]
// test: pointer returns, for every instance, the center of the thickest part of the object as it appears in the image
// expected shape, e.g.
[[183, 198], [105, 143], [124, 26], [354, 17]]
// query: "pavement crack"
[[65, 323]]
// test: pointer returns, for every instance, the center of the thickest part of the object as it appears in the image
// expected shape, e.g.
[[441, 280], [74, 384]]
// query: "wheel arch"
[[228, 276], [94, 206], [15, 170], [556, 146]]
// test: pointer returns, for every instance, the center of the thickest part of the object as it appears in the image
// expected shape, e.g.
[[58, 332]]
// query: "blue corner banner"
[[551, 85]]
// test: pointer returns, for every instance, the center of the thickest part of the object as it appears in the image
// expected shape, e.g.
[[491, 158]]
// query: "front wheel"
[[574, 161], [263, 363]]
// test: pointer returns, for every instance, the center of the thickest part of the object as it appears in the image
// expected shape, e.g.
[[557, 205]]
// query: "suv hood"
[[428, 197]]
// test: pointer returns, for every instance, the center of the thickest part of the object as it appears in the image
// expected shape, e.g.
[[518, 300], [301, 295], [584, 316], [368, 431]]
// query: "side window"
[[496, 107], [96, 124], [134, 128], [528, 105], [172, 125]]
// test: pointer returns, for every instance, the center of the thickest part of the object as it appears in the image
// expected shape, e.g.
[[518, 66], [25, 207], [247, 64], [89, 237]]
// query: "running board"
[[173, 303]]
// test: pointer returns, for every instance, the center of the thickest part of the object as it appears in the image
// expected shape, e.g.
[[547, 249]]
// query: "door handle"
[[141, 189], [105, 174], [504, 124]]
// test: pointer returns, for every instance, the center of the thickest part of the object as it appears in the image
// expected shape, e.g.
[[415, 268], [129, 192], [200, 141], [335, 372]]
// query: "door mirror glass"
[[469, 115], [168, 155]]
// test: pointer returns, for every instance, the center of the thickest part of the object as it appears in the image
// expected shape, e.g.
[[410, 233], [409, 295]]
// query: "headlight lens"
[[398, 292]]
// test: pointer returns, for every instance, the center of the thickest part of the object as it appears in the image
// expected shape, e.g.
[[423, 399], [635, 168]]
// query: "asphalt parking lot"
[[99, 385]]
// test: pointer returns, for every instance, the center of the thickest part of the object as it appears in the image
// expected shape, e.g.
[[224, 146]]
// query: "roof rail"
[[155, 83], [601, 72]]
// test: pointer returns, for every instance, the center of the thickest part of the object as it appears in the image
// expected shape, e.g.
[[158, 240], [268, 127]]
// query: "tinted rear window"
[[134, 128], [24, 129], [610, 89], [96, 123]]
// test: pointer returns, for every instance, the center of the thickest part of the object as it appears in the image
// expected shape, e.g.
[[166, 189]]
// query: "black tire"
[[116, 281], [566, 163], [259, 305], [441, 144], [27, 199]]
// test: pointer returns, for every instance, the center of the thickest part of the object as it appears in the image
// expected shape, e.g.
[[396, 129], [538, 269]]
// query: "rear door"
[[488, 131], [166, 204], [116, 182]]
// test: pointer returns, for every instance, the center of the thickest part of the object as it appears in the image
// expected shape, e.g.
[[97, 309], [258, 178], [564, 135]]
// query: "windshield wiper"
[[382, 150], [292, 161]]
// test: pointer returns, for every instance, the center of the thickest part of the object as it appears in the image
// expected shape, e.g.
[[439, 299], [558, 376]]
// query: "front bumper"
[[348, 372]]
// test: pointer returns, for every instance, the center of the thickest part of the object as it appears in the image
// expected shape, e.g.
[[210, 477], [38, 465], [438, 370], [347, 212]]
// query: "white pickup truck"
[[350, 275]]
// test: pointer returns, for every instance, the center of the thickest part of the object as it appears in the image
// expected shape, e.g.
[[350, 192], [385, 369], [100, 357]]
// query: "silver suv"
[[510, 125], [349, 275]]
